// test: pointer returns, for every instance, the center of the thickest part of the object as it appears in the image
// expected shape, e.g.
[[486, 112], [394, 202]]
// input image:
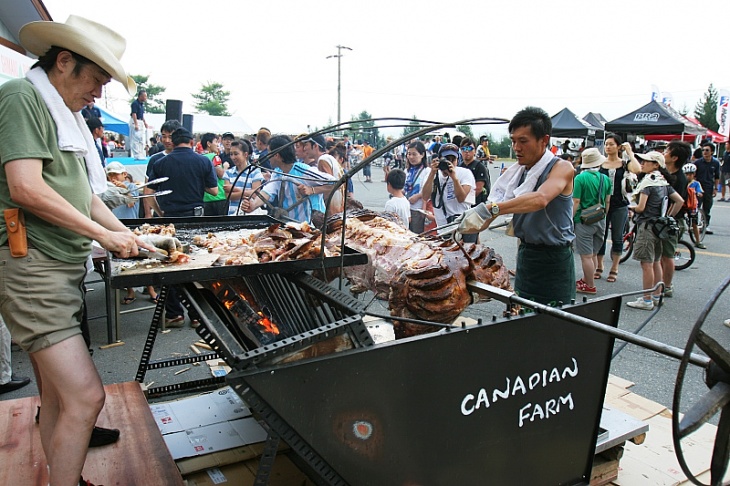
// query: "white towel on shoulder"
[[508, 187], [73, 133]]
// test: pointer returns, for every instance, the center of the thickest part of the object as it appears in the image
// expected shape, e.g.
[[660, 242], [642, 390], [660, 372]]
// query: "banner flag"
[[654, 92], [723, 99]]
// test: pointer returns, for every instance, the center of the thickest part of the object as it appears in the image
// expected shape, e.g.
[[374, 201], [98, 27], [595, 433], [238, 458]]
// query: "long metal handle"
[[509, 297]]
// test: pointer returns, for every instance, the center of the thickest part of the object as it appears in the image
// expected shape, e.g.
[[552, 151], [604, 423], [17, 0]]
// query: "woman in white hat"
[[51, 175]]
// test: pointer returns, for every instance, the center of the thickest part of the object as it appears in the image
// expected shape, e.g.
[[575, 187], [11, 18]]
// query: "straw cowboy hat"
[[95, 42]]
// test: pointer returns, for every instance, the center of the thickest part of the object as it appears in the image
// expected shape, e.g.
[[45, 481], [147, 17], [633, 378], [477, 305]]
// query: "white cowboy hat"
[[94, 41]]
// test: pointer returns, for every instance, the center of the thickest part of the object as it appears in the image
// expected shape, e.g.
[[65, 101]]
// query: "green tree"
[[154, 103], [212, 99], [466, 130], [706, 109], [363, 128], [501, 148], [412, 127]]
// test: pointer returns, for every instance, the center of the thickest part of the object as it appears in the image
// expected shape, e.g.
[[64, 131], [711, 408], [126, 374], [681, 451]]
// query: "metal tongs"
[[157, 255], [448, 235], [155, 194], [153, 182]]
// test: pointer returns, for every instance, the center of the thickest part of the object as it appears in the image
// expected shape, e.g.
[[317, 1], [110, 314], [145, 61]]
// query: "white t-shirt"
[[401, 207], [451, 204]]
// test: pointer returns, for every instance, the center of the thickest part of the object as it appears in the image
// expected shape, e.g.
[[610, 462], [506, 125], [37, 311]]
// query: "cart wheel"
[[717, 399]]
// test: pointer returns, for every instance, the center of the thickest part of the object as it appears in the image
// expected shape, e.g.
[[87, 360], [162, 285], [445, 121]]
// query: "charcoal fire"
[[259, 326]]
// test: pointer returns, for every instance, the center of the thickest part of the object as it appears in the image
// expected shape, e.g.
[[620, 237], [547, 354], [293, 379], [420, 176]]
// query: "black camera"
[[444, 165]]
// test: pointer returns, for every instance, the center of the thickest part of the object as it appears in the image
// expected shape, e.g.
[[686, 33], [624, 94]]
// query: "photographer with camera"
[[453, 191]]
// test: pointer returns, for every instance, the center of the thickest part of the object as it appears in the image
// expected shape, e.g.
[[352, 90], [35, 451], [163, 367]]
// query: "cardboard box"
[[284, 473], [208, 423], [221, 405]]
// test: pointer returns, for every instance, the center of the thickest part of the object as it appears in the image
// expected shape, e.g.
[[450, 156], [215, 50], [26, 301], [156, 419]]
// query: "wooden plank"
[[139, 457]]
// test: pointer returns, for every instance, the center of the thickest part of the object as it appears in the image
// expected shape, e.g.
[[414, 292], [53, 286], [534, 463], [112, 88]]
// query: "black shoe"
[[709, 232], [101, 437], [15, 383]]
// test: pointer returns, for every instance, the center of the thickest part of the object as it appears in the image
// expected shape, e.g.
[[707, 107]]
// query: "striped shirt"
[[281, 183], [244, 182]]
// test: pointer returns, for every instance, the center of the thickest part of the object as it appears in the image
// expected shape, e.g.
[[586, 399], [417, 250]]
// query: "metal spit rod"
[[509, 297]]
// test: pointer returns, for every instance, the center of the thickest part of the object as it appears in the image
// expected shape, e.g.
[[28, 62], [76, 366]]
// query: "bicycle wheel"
[[684, 255], [628, 246]]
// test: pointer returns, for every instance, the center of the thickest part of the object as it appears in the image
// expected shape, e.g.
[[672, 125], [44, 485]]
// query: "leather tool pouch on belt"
[[17, 238]]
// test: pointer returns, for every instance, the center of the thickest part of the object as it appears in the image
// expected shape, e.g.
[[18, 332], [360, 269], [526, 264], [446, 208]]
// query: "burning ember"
[[239, 302]]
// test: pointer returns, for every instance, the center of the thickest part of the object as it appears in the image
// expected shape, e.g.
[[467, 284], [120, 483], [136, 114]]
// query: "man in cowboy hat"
[[51, 174]]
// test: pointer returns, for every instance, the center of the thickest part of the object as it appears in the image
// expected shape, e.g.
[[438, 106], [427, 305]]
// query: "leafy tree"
[[363, 128], [412, 127], [212, 99], [154, 103], [466, 130], [501, 148], [706, 109]]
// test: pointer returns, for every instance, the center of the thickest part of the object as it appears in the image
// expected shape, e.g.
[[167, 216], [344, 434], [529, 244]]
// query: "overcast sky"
[[436, 60]]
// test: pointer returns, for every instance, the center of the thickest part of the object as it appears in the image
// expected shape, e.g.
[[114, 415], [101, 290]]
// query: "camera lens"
[[444, 165]]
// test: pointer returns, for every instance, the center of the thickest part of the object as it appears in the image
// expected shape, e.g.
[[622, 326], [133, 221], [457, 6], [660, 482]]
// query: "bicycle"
[[684, 255], [701, 224]]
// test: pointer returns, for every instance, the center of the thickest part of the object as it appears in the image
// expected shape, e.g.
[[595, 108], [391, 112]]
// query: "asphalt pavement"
[[654, 374]]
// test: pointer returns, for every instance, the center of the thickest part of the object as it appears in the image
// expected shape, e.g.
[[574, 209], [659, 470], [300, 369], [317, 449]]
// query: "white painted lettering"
[[501, 394], [483, 398], [572, 372], [519, 385], [464, 409]]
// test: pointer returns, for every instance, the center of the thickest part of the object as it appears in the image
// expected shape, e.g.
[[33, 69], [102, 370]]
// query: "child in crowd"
[[689, 171], [398, 203]]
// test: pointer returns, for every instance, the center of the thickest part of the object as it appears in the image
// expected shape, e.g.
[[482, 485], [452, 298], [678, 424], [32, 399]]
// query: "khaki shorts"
[[41, 298], [647, 247]]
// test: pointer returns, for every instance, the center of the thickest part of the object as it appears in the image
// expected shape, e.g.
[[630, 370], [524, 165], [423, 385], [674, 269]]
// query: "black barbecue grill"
[[517, 400], [279, 292]]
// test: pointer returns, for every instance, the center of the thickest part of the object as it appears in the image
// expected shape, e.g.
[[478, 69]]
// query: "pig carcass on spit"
[[421, 277]]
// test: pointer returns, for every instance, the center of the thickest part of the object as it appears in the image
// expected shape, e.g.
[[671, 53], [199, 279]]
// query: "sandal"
[[612, 276], [597, 274], [128, 300], [583, 288], [155, 299]]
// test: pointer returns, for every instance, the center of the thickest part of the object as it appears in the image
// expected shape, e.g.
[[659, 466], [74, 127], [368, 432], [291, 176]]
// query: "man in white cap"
[[50, 174]]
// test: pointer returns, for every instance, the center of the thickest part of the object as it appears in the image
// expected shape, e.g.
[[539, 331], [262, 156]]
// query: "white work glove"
[[473, 220], [114, 197], [167, 243]]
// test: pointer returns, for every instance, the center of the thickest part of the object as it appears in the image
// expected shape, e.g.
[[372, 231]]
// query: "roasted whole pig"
[[422, 278]]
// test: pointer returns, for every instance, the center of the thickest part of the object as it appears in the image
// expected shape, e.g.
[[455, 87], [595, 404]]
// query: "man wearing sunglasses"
[[708, 175], [477, 168]]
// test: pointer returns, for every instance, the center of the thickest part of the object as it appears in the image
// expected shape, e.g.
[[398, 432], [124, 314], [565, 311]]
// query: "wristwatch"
[[494, 209]]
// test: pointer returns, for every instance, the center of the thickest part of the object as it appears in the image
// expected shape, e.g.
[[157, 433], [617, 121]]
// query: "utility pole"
[[339, 73]]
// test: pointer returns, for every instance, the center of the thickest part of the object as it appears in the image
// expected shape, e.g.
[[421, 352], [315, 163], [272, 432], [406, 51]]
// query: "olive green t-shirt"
[[27, 131]]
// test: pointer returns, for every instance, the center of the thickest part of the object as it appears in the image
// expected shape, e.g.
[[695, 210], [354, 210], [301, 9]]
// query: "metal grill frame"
[[333, 312]]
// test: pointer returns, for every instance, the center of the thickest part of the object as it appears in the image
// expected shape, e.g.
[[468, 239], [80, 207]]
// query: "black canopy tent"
[[568, 124], [653, 118], [595, 119]]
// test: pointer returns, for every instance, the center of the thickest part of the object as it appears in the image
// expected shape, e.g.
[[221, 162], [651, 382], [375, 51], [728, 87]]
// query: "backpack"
[[690, 202]]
